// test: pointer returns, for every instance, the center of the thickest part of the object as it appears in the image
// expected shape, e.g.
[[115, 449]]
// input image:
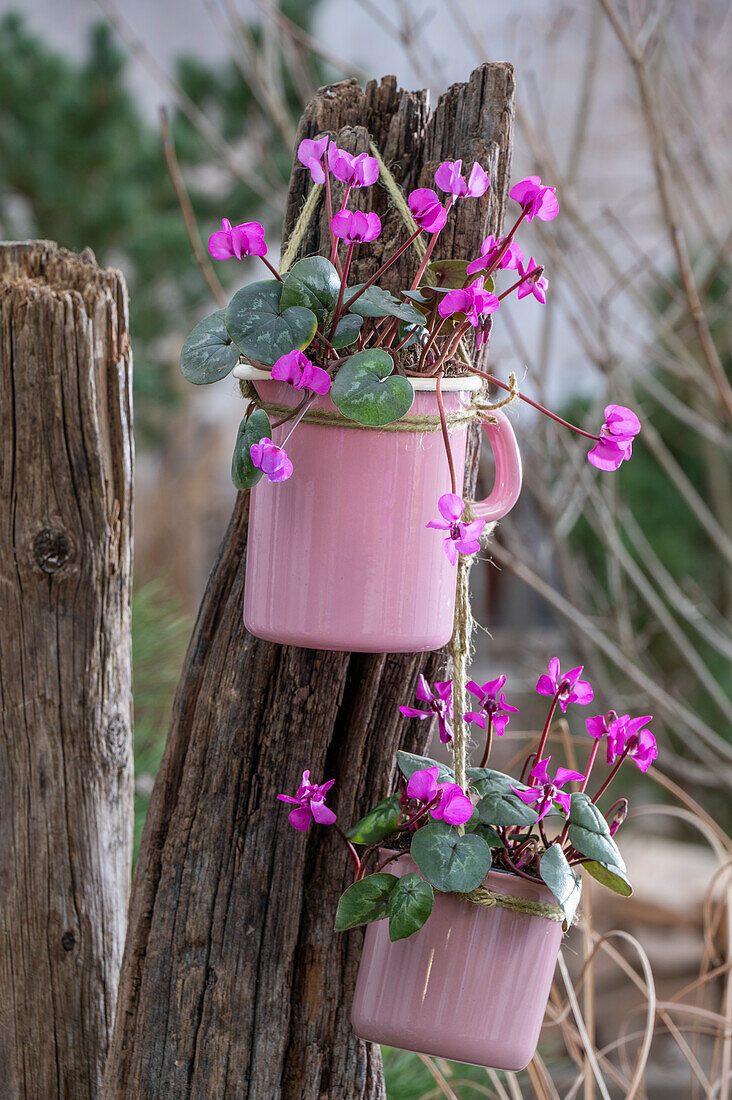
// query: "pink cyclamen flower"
[[536, 285], [536, 200], [356, 226], [472, 300], [449, 177], [271, 460], [427, 210], [617, 433], [493, 705], [569, 688], [454, 806], [310, 153], [463, 538], [310, 803], [440, 703], [242, 240], [624, 731], [489, 250], [354, 171], [548, 790], [297, 369]]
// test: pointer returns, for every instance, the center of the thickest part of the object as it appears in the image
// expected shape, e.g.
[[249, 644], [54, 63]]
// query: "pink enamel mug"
[[471, 985], [339, 556]]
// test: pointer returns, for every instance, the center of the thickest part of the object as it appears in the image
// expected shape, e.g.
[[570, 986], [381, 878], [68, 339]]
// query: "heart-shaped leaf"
[[209, 354], [410, 904], [365, 390], [409, 764], [347, 331], [453, 275], [589, 832], [562, 881], [612, 877], [244, 473], [263, 330], [499, 804], [452, 863], [488, 833], [379, 823], [313, 283], [415, 334], [375, 302], [365, 901]]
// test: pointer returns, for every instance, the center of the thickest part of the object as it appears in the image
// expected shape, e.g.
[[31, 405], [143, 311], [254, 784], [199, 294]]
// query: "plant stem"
[[488, 741], [382, 269], [352, 850], [545, 731], [425, 260], [339, 303], [590, 764], [445, 433], [333, 238], [616, 768], [276, 273], [534, 404]]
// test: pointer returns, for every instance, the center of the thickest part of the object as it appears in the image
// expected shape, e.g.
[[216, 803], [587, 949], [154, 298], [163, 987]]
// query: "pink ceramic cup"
[[339, 556], [472, 985]]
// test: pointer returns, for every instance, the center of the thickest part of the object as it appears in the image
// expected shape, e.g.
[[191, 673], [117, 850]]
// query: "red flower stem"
[[545, 731], [523, 279], [505, 246], [445, 432], [339, 303], [517, 870], [451, 347], [433, 332], [425, 260], [276, 273], [333, 239], [488, 741], [351, 849], [390, 859], [384, 267], [613, 773], [590, 764], [534, 404]]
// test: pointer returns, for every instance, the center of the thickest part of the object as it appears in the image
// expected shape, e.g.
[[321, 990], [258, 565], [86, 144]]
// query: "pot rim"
[[467, 384]]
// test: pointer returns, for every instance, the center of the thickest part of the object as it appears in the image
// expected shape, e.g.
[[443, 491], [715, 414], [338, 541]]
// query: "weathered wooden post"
[[234, 983], [65, 676]]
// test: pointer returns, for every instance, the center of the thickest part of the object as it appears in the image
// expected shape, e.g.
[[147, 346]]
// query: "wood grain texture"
[[66, 769], [234, 983]]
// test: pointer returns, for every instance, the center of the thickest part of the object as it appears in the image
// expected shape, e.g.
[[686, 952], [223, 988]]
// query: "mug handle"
[[509, 473]]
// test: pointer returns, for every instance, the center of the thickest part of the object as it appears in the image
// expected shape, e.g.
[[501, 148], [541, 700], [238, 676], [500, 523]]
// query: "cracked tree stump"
[[66, 767], [234, 983]]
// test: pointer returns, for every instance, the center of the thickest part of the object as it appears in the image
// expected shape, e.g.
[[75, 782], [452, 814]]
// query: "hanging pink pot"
[[471, 985], [339, 556]]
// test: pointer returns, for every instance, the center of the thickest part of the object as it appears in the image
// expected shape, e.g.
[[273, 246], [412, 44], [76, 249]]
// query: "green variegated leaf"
[[409, 764], [244, 473], [452, 863], [366, 390], [562, 881], [410, 904], [375, 302], [313, 283], [379, 823], [613, 877], [261, 328], [208, 354], [499, 804], [589, 832], [347, 331], [365, 901]]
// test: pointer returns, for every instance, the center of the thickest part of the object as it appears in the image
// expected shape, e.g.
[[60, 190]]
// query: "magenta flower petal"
[[271, 460], [242, 240], [424, 692], [478, 181], [545, 686], [451, 507], [310, 153], [596, 726], [422, 784], [300, 818], [540, 770], [563, 800], [565, 775], [529, 797], [451, 551], [427, 210], [412, 712], [454, 807], [321, 813], [536, 200]]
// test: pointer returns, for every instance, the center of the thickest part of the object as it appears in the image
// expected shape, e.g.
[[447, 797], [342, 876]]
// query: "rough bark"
[[66, 768], [234, 983]]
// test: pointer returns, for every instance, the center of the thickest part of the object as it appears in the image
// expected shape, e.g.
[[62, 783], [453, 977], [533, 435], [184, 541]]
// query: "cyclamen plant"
[[542, 826], [352, 333]]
